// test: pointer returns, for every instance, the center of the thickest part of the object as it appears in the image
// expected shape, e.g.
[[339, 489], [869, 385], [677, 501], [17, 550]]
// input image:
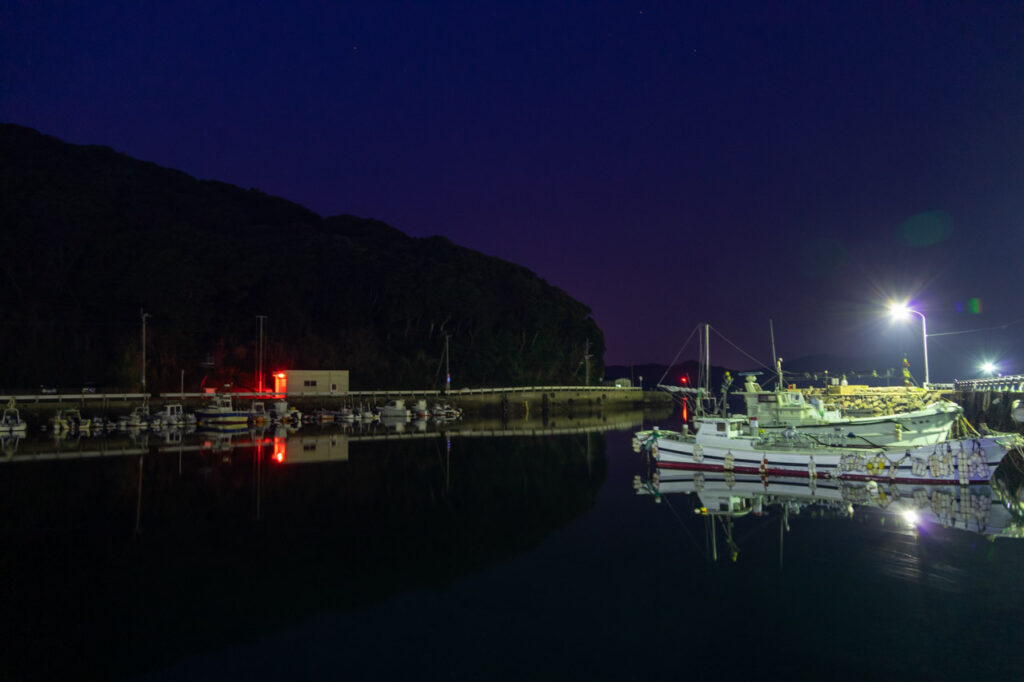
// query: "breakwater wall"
[[993, 409], [536, 401], [513, 402]]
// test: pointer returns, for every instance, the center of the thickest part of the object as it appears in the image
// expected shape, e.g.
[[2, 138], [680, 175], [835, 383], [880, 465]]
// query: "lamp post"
[[143, 314], [900, 311], [259, 355]]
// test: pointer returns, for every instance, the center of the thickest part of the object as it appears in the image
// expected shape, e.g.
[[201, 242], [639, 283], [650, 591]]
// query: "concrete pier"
[[505, 402]]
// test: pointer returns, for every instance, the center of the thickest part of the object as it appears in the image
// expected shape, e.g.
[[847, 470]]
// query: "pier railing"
[[101, 398], [72, 397], [408, 392], [1013, 383]]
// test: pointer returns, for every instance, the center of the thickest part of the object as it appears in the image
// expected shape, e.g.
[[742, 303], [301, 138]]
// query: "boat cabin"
[[718, 428], [785, 407]]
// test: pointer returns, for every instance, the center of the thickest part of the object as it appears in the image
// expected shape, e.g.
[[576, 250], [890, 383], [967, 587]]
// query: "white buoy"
[[1017, 411]]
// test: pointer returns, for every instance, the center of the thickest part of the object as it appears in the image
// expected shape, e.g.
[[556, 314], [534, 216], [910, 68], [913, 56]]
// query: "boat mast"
[[776, 360], [703, 373], [707, 359]]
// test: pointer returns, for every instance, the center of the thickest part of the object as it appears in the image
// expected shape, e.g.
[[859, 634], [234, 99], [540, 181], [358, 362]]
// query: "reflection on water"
[[459, 555], [292, 444], [730, 503], [163, 544]]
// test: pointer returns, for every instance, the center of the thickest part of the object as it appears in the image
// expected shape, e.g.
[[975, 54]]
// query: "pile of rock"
[[873, 401]]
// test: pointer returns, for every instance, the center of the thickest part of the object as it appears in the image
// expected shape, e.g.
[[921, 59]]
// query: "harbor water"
[[516, 554]]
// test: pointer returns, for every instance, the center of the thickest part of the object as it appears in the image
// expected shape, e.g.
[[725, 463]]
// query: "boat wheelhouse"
[[219, 411]]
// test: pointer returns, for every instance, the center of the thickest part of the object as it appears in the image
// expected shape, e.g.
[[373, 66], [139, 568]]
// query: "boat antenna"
[[775, 358]]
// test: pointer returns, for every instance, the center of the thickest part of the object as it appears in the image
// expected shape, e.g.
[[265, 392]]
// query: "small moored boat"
[[219, 411], [395, 409], [11, 422], [174, 414]]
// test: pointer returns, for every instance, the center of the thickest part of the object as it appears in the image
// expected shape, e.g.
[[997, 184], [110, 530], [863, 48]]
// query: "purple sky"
[[665, 163]]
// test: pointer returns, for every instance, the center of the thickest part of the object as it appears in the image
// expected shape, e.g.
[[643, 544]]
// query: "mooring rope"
[[678, 353]]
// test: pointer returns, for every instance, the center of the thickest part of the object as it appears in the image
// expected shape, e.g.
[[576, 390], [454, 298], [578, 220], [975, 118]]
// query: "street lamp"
[[900, 311]]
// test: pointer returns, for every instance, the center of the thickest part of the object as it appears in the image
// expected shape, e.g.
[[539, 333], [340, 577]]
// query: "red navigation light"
[[278, 456], [684, 380]]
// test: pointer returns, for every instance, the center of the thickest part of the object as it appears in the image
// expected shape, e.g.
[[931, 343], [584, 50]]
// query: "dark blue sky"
[[665, 163]]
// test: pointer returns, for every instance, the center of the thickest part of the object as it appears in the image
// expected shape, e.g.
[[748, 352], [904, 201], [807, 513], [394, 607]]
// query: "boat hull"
[[217, 417], [912, 429], [960, 461]]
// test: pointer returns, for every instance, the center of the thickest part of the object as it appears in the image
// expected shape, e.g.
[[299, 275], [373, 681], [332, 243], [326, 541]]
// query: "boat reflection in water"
[[722, 497], [171, 547]]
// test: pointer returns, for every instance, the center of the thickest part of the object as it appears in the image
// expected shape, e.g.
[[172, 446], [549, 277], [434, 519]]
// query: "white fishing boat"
[[418, 410], [395, 409], [366, 414], [282, 412], [139, 418], [219, 411], [11, 422], [69, 420], [735, 444], [258, 413], [174, 414], [783, 409], [444, 411]]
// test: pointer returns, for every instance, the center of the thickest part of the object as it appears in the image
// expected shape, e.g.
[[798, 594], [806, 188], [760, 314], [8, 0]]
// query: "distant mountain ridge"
[[94, 238]]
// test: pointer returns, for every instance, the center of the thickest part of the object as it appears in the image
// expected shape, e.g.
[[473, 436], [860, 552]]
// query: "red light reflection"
[[280, 447]]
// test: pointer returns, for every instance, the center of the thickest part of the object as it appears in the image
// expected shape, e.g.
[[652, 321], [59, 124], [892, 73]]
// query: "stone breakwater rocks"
[[866, 401]]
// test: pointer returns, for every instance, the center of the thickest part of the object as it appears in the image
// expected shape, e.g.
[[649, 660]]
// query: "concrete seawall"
[[514, 402]]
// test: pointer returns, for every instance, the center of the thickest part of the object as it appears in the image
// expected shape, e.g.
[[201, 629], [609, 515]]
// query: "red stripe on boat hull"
[[803, 473]]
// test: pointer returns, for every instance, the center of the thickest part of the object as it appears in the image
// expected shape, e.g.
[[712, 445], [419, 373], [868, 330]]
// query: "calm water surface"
[[475, 557]]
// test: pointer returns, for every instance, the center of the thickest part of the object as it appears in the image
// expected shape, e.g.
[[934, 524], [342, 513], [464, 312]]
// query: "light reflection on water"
[[470, 557]]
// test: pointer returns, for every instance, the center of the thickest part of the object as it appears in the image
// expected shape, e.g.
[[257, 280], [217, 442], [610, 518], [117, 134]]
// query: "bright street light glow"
[[899, 311], [989, 368]]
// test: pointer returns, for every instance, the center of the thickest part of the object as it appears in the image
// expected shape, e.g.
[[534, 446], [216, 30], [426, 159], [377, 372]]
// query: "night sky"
[[665, 163]]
